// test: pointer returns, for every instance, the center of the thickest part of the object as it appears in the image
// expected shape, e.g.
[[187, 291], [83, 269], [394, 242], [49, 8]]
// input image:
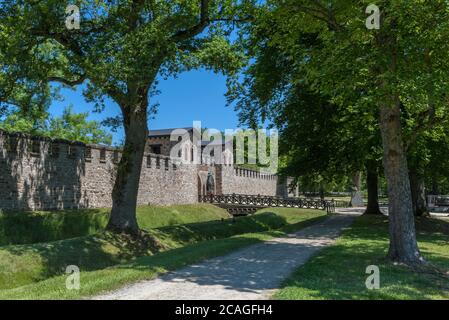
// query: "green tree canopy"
[[70, 126], [75, 126], [321, 142], [119, 51], [401, 67]]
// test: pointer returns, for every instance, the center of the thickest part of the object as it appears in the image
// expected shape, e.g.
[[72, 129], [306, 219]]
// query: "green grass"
[[144, 268], [338, 272], [34, 227], [26, 264]]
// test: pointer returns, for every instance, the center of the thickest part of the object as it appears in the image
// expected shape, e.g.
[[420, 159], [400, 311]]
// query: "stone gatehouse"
[[38, 173]]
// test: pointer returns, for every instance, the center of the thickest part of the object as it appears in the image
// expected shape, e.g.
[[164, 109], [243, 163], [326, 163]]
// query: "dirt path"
[[247, 274]]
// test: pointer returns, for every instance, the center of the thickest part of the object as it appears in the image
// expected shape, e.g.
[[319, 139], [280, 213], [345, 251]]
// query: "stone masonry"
[[45, 174]]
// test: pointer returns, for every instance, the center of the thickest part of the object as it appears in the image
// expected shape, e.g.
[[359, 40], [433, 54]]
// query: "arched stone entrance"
[[210, 184], [206, 182], [201, 186]]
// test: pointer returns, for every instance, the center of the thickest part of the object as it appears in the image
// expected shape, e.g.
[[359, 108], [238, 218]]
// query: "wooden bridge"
[[241, 205]]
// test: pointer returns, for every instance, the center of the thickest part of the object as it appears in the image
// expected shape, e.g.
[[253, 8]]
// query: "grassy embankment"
[[36, 270], [34, 227]]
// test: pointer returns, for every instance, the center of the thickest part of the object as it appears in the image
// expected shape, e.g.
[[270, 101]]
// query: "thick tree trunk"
[[356, 195], [124, 195], [372, 183], [403, 245], [417, 186]]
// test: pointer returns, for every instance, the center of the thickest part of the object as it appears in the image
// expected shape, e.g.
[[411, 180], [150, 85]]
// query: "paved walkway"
[[248, 274]]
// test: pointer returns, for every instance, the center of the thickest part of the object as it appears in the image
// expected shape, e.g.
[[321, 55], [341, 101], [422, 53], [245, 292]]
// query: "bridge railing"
[[268, 201]]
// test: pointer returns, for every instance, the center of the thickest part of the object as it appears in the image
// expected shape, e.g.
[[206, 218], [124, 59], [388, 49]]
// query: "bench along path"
[[249, 274]]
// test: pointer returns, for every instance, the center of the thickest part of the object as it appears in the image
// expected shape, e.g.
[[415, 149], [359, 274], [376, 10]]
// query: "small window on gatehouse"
[[103, 155], [88, 154], [116, 156], [156, 149]]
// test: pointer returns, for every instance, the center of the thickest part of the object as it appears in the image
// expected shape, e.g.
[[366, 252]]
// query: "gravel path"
[[248, 274]]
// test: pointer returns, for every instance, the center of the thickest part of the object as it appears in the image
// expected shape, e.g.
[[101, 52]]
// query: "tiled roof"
[[165, 132]]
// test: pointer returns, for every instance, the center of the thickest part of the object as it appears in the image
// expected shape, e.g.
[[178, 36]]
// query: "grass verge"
[[338, 272], [25, 264]]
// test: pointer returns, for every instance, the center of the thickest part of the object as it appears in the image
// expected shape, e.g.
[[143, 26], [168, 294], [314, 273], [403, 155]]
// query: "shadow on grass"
[[338, 272], [30, 263], [261, 268], [258, 268], [22, 227], [28, 227], [195, 232]]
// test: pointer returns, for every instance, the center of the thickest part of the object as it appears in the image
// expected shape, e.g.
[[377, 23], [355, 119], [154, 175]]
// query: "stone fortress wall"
[[244, 181], [46, 174]]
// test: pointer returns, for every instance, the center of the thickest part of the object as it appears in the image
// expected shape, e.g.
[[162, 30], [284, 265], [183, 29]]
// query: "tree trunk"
[[435, 190], [417, 186], [124, 195], [372, 179], [403, 245], [356, 196]]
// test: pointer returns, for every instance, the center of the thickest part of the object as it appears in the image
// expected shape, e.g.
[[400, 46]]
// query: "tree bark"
[[417, 186], [124, 195], [372, 183], [403, 246]]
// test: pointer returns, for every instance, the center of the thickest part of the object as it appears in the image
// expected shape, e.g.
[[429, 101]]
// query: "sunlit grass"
[[338, 272], [23, 265]]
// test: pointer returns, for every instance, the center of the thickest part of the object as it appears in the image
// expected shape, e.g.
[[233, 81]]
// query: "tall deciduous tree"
[[119, 50], [76, 127], [70, 126], [402, 66], [321, 142]]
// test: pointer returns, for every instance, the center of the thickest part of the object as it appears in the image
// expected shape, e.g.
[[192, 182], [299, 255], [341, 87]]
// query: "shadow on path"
[[251, 273]]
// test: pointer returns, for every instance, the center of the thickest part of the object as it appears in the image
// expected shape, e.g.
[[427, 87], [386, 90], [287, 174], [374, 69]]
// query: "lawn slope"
[[25, 264], [46, 226]]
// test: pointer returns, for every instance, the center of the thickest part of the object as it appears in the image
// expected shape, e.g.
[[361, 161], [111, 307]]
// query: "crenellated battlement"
[[247, 173], [40, 173]]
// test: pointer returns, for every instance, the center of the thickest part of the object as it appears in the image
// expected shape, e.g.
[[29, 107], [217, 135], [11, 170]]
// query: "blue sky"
[[192, 96]]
